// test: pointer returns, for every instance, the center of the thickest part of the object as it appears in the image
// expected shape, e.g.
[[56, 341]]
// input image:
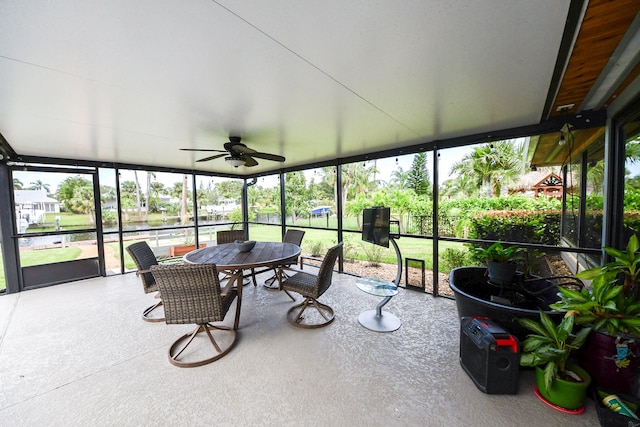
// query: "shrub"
[[316, 247], [374, 254], [349, 248], [542, 227], [452, 258]]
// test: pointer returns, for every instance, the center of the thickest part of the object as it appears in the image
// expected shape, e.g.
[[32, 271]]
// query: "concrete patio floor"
[[79, 354]]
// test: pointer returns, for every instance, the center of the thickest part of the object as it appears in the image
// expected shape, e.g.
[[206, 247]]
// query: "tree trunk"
[[147, 196], [135, 173], [183, 209]]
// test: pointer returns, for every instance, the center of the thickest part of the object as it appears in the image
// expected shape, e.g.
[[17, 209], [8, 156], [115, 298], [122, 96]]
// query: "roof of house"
[[32, 196]]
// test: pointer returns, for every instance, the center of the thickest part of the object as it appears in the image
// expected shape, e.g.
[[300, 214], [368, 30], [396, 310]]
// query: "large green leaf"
[[529, 359], [599, 323], [590, 274], [612, 293], [580, 338], [533, 326], [534, 342], [549, 326], [550, 372], [565, 328], [616, 253], [633, 245], [635, 322], [611, 306], [572, 294]]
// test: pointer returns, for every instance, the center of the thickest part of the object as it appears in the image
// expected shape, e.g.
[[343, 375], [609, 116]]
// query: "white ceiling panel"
[[132, 82]]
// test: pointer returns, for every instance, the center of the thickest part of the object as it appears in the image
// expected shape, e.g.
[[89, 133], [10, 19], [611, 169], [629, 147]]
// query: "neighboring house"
[[320, 210], [110, 204], [33, 205], [168, 200], [550, 186], [539, 182], [223, 208]]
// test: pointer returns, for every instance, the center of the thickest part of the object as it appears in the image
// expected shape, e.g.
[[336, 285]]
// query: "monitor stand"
[[376, 320]]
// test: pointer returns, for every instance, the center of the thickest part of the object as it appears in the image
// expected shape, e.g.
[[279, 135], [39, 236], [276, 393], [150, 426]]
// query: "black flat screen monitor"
[[375, 225]]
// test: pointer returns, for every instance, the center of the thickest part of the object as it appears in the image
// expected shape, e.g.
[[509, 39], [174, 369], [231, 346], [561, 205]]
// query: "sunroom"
[[114, 117]]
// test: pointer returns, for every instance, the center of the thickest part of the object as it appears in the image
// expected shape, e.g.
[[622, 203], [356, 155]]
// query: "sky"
[[385, 167]]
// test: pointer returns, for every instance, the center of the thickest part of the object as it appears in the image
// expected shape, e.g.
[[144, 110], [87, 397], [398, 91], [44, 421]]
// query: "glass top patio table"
[[377, 287]]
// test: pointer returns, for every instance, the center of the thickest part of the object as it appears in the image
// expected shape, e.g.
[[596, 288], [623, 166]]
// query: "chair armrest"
[[169, 259]]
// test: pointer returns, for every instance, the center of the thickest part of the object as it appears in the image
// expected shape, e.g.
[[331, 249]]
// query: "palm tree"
[[356, 179], [39, 185], [492, 166], [460, 186], [17, 184], [184, 211], [157, 188], [147, 197], [135, 174], [595, 176], [399, 177], [632, 150]]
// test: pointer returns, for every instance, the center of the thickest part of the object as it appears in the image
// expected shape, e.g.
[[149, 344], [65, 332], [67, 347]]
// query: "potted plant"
[[500, 260], [560, 382], [625, 267], [188, 246], [611, 306]]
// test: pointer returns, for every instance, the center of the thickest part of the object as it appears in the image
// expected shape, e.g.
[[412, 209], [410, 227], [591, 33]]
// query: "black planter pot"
[[474, 297], [612, 360], [501, 273]]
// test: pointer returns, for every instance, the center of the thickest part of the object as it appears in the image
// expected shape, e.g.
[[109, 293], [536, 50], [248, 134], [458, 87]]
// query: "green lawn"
[[354, 247], [410, 247], [41, 256], [48, 256]]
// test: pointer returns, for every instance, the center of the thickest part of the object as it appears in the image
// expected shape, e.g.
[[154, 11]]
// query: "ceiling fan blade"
[[206, 159], [240, 148], [202, 149], [249, 161], [268, 156]]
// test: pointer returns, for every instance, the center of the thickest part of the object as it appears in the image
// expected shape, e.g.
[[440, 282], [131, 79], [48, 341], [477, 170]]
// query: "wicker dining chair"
[[230, 236], [192, 294], [144, 258], [291, 236], [311, 287]]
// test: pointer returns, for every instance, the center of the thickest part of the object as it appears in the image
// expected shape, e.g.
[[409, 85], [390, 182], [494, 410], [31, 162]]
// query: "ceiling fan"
[[237, 154]]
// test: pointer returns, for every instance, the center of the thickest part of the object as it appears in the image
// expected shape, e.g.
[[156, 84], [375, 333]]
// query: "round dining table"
[[227, 257]]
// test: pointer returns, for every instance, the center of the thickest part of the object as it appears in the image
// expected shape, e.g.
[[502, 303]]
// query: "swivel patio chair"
[[144, 258], [291, 236], [311, 287], [192, 294], [230, 236]]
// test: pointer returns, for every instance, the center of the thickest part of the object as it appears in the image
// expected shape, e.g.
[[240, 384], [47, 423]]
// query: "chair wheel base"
[[299, 317], [221, 346]]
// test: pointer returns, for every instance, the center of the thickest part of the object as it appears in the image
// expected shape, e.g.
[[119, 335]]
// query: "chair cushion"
[[304, 284]]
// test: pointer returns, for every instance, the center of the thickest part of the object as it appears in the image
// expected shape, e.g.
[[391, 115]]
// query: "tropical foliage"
[[490, 168], [550, 345], [611, 301], [76, 195]]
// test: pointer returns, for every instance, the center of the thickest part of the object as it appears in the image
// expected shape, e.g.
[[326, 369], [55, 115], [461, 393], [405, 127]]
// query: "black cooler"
[[489, 355]]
